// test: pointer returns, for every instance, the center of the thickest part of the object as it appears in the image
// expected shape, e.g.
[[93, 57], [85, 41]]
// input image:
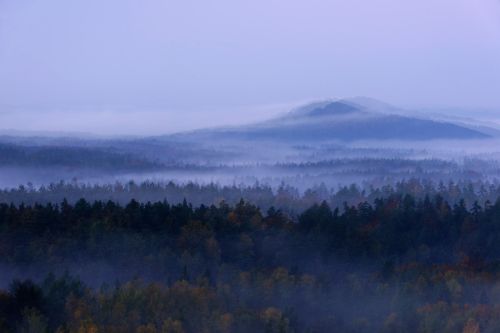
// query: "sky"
[[160, 66]]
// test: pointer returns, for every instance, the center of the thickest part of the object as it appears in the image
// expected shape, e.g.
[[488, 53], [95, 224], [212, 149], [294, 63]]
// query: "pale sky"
[[157, 66]]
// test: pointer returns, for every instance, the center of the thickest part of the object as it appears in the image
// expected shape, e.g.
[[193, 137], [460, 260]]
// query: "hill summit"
[[343, 120]]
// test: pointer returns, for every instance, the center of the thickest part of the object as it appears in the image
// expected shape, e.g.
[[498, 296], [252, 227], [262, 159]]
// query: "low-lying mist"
[[245, 163]]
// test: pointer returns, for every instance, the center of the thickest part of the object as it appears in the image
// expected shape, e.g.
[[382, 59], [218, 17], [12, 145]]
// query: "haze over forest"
[[267, 166]]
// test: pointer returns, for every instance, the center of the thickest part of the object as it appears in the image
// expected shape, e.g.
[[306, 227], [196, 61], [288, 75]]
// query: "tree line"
[[400, 263]]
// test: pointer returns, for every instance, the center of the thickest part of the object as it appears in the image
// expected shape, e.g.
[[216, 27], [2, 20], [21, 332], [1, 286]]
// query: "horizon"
[[101, 122], [249, 166], [129, 67]]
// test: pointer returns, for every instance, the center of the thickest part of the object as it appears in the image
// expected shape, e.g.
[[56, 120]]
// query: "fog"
[[246, 163], [268, 166], [136, 67], [113, 121]]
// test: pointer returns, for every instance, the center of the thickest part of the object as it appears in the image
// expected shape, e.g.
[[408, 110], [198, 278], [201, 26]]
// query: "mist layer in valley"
[[333, 143], [349, 214]]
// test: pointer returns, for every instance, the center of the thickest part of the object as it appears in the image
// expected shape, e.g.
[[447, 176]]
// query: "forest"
[[324, 166], [193, 232], [397, 262]]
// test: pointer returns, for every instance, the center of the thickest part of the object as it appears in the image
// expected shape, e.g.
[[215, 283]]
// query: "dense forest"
[[220, 167], [398, 263], [287, 198], [72, 157]]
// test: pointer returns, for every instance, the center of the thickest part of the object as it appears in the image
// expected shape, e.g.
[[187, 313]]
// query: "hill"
[[341, 120]]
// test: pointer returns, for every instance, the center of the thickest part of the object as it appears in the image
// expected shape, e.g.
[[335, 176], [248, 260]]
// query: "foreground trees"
[[399, 264]]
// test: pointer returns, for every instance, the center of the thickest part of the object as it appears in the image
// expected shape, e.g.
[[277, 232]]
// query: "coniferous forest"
[[284, 166], [396, 263]]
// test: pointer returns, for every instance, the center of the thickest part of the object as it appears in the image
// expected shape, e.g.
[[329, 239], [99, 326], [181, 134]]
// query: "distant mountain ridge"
[[342, 120]]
